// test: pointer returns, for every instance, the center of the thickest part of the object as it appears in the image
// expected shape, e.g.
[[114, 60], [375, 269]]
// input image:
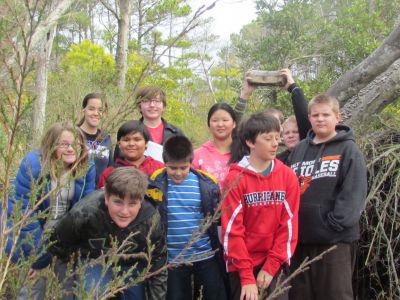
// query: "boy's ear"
[[106, 198], [250, 144], [339, 117]]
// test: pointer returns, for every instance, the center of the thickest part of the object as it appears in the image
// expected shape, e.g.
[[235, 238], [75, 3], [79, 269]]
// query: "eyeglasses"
[[152, 101], [64, 145]]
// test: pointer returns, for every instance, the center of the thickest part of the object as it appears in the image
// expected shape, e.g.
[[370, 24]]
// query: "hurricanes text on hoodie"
[[259, 218]]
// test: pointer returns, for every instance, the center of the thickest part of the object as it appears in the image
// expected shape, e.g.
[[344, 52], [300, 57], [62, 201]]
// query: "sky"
[[229, 15]]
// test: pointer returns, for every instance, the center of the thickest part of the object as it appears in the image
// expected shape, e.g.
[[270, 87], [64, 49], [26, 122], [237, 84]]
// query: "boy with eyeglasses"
[[151, 102]]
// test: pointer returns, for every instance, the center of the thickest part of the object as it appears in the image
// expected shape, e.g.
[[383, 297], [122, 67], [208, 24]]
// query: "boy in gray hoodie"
[[333, 188]]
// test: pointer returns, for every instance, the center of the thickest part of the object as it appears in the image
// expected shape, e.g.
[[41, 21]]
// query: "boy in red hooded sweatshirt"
[[260, 211]]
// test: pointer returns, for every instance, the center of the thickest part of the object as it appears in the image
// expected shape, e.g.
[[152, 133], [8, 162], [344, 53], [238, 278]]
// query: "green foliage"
[[90, 61], [177, 8]]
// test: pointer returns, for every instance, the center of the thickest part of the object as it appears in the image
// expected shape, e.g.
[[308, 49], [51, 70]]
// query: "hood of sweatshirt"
[[343, 133], [244, 166]]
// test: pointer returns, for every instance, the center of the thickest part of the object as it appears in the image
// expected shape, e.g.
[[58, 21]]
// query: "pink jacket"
[[207, 158]]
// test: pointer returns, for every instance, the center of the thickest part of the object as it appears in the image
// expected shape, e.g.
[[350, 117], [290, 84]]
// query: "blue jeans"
[[92, 277], [207, 279]]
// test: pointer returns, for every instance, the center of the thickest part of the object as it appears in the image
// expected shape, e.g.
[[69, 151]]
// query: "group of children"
[[173, 214]]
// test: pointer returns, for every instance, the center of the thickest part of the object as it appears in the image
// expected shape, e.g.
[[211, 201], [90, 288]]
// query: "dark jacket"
[[209, 193], [87, 227], [29, 173], [333, 187], [100, 150], [284, 156], [169, 130]]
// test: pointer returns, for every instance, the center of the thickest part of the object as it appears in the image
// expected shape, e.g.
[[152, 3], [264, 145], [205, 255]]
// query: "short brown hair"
[[290, 119], [126, 181], [325, 99], [149, 92]]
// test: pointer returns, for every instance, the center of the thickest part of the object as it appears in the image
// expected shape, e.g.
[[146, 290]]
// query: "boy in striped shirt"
[[188, 197]]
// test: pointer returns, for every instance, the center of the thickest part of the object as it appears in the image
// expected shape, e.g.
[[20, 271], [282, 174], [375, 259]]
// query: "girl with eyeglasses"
[[50, 180], [99, 142]]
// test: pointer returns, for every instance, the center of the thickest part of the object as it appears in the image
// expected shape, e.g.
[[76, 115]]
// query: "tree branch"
[[372, 99], [109, 8], [360, 76]]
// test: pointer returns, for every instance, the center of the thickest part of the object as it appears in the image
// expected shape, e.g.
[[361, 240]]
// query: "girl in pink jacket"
[[213, 156]]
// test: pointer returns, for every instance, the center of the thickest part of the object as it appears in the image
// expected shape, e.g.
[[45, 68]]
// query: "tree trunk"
[[50, 22], [372, 99], [122, 43], [359, 77], [140, 26], [42, 68]]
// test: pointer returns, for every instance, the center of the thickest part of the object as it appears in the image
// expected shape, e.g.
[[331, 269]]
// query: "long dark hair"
[[223, 106]]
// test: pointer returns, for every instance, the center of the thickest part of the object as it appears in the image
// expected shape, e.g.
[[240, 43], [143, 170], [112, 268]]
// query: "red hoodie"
[[259, 218], [148, 166]]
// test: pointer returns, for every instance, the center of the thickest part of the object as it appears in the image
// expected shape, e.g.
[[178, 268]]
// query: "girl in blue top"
[[50, 180]]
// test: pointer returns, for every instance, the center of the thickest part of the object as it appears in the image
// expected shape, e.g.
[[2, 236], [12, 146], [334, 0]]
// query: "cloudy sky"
[[229, 15]]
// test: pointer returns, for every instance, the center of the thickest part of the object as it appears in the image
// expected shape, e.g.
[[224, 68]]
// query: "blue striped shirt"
[[185, 216]]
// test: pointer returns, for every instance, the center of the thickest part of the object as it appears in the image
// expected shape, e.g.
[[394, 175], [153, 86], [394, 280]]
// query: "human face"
[[221, 125], [132, 146], [323, 121], [177, 171], [290, 135], [122, 210], [265, 146], [66, 148], [152, 109], [93, 112]]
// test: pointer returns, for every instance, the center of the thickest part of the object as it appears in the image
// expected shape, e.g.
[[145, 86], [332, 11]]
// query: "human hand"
[[263, 279], [289, 77], [249, 292], [32, 273], [247, 88]]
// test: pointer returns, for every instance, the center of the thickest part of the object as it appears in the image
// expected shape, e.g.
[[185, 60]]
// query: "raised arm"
[[241, 104], [299, 103]]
